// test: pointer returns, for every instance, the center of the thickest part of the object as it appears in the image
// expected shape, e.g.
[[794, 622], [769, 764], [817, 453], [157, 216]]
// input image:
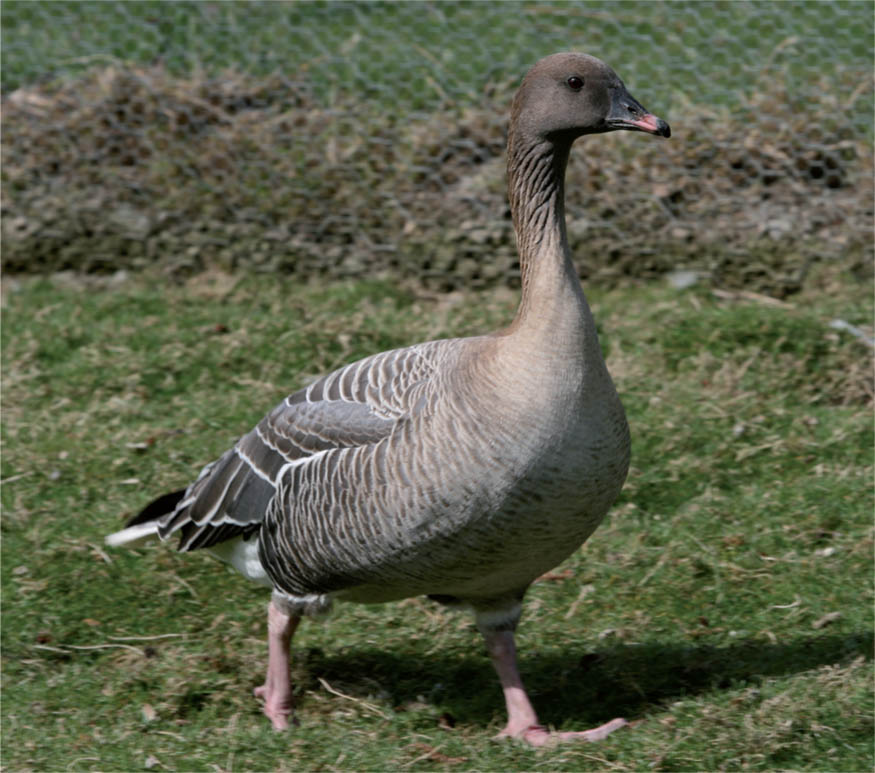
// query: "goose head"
[[568, 95]]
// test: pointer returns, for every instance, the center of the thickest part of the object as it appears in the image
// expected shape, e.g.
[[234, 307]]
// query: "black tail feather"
[[155, 509]]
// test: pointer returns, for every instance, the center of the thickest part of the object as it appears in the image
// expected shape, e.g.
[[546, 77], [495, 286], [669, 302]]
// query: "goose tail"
[[144, 524]]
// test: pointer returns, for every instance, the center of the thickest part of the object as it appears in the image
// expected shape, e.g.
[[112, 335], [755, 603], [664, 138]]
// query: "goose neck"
[[536, 189], [552, 298]]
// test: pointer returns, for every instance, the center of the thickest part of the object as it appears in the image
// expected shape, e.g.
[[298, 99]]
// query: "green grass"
[[426, 55], [698, 610]]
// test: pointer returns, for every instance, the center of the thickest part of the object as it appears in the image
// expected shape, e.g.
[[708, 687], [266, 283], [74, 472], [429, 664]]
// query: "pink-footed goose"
[[459, 469]]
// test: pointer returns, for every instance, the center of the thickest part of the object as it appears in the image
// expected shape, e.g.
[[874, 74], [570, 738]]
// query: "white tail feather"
[[133, 535]]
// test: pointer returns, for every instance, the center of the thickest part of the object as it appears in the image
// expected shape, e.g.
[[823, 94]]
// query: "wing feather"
[[355, 406]]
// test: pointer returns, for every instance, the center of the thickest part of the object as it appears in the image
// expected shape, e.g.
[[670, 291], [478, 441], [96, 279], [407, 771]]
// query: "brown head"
[[567, 95]]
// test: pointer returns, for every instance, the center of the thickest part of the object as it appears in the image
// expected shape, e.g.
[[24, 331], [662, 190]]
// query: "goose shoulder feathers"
[[353, 407]]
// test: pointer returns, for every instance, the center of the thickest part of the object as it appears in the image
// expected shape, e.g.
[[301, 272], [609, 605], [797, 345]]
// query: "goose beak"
[[627, 113], [647, 123]]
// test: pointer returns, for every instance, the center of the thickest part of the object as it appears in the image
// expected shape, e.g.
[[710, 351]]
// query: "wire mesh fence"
[[350, 139]]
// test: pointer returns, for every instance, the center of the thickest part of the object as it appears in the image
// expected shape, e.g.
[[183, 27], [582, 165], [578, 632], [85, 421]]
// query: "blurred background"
[[349, 139]]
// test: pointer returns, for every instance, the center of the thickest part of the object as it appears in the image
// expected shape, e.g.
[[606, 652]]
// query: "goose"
[[459, 469]]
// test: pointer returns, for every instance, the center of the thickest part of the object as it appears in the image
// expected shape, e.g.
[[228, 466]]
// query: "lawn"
[[724, 608]]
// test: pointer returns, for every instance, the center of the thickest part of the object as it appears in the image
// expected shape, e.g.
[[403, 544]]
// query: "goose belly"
[[502, 557], [508, 535], [465, 517]]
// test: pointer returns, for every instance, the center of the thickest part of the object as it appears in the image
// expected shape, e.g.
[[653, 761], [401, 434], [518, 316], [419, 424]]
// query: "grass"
[[429, 55], [725, 607]]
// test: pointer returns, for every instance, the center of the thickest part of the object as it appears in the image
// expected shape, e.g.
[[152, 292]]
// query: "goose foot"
[[522, 722], [278, 706], [538, 735], [276, 692]]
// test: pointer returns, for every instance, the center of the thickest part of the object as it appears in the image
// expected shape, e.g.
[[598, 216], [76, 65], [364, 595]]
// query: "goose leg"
[[276, 692], [522, 722]]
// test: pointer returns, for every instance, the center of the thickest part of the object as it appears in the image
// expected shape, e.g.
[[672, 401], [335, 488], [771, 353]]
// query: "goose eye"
[[575, 83]]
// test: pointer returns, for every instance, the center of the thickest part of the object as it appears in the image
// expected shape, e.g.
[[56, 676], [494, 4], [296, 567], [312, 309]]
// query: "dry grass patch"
[[132, 166]]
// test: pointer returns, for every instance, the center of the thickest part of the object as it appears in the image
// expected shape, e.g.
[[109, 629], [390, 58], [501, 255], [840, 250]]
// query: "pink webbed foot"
[[538, 735], [278, 705], [276, 692], [522, 722]]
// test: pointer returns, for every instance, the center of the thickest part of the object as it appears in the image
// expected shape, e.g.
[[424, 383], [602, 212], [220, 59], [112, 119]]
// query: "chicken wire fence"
[[357, 139]]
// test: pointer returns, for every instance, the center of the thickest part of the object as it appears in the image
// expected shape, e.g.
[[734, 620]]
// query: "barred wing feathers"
[[355, 406]]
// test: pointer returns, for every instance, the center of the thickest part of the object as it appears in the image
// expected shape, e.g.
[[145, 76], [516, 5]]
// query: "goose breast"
[[441, 506]]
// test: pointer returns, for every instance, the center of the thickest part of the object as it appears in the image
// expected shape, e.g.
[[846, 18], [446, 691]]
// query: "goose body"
[[461, 469]]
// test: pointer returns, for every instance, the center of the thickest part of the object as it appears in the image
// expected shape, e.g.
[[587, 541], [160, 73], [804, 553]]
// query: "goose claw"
[[538, 735]]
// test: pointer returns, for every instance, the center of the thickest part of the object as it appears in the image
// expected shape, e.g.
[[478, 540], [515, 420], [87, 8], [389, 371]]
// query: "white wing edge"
[[133, 535]]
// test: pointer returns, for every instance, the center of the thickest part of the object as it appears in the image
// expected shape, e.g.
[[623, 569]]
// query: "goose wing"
[[355, 406]]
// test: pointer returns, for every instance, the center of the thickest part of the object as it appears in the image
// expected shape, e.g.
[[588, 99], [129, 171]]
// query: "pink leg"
[[522, 722], [277, 688]]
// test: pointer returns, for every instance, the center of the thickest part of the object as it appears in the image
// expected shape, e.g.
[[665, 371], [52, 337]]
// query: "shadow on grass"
[[580, 688]]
